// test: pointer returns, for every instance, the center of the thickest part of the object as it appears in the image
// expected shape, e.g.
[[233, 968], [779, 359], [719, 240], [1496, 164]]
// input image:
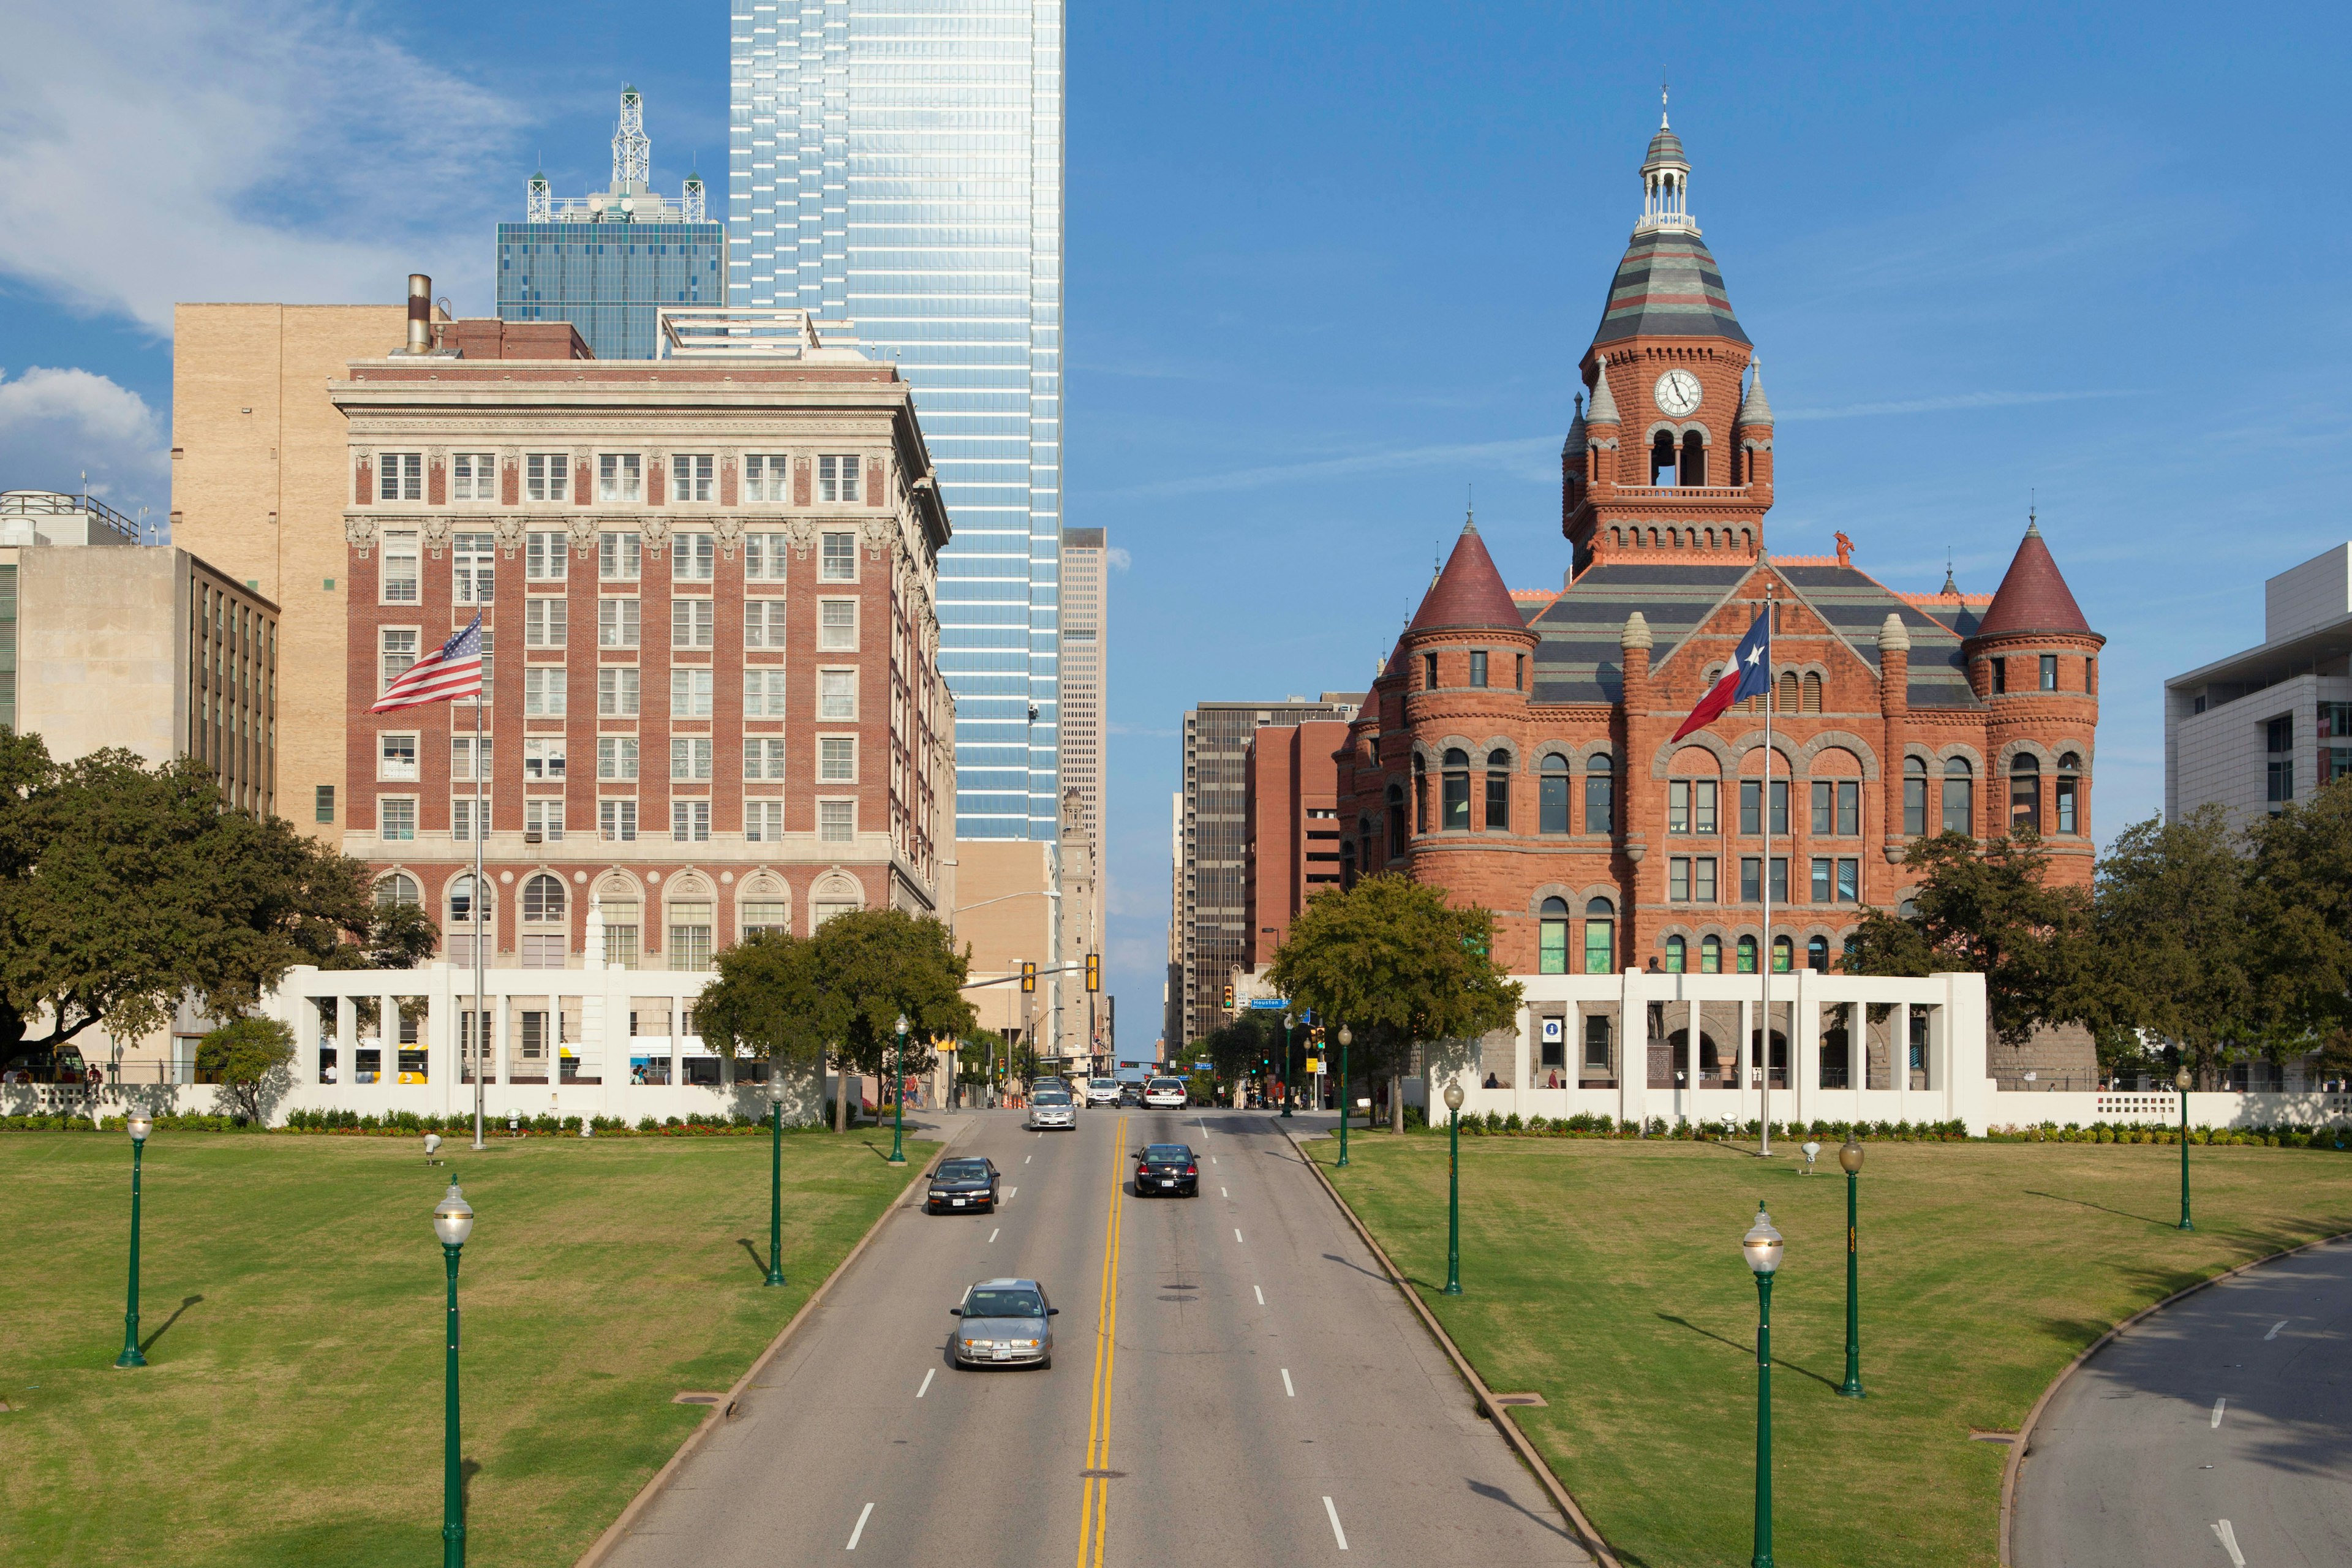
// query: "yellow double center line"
[[1094, 1510]]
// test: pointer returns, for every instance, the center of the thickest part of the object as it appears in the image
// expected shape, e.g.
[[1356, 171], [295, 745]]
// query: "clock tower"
[[1673, 458]]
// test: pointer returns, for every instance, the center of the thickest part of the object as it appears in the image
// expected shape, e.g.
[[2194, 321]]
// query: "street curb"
[[1529, 1455], [2019, 1449], [603, 1546]]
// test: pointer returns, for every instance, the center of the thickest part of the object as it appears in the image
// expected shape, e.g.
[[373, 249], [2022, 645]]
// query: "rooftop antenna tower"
[[539, 205], [691, 200], [633, 153]]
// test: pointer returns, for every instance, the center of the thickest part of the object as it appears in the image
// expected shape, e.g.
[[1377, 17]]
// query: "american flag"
[[454, 671]]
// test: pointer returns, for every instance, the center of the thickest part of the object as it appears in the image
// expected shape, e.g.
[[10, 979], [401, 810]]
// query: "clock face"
[[1678, 392]]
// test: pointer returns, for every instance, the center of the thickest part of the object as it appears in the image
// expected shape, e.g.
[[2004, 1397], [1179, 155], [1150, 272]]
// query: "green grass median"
[[1607, 1277], [292, 1308]]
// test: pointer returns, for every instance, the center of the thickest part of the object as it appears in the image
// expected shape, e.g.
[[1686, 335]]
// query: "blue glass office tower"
[[898, 163]]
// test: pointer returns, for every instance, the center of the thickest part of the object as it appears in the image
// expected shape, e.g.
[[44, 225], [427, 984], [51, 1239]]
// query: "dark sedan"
[[1167, 1170], [962, 1184]]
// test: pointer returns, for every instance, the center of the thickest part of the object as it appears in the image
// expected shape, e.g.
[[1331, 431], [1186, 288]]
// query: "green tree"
[[1243, 1047], [2170, 920], [1394, 960], [874, 965], [763, 1002], [248, 1057], [2299, 915]]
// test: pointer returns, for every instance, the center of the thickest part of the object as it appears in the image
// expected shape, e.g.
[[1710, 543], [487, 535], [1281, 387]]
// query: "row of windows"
[[544, 758], [693, 623], [616, 820], [620, 476], [1478, 667], [2045, 671], [1691, 879], [544, 903], [547, 556], [546, 689]]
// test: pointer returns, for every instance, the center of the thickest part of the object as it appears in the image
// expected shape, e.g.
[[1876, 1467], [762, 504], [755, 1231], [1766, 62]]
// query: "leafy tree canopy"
[[246, 1056], [1397, 964], [763, 1002], [874, 965]]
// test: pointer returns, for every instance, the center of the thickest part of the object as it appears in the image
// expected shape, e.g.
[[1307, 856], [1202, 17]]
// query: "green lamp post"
[[1849, 1156], [1286, 1064], [898, 1100], [1762, 1247], [775, 1174], [1453, 1190], [1346, 1038], [453, 1222], [141, 1125], [2179, 1080]]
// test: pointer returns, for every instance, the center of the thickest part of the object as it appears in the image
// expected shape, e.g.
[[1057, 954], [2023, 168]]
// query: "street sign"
[[1269, 1004], [1314, 1064]]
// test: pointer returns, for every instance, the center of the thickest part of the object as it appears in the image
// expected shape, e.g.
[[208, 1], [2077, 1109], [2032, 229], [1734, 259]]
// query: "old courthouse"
[[1516, 747]]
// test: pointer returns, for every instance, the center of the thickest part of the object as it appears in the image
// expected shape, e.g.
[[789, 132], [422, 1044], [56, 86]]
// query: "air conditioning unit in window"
[[532, 835]]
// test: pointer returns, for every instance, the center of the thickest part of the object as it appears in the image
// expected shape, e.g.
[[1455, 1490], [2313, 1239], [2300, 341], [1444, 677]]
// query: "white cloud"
[[57, 425], [237, 150], [1119, 559]]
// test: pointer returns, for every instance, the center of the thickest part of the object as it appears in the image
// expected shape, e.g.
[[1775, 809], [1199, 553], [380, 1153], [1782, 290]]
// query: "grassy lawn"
[[1607, 1277], [293, 1298]]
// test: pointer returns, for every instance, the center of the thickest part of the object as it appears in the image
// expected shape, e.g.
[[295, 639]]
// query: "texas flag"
[[1750, 675]]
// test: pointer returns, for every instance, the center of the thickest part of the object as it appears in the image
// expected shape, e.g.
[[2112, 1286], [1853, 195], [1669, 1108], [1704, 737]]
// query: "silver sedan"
[[1005, 1323]]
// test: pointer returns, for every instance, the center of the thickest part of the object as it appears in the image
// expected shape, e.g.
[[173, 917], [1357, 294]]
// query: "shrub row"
[[409, 1124], [2292, 1136]]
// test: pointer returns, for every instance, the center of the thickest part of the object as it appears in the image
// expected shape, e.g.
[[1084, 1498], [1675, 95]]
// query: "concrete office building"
[[2272, 724], [609, 261], [902, 168], [1086, 703], [1211, 873]]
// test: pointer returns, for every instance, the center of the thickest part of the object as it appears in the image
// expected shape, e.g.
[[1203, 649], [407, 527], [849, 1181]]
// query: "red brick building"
[[1517, 749], [713, 702], [1291, 824]]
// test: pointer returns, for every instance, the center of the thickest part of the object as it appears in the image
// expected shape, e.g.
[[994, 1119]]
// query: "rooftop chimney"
[[420, 313]]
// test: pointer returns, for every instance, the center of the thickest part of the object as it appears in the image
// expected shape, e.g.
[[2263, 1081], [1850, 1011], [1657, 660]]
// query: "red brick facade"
[[1291, 803]]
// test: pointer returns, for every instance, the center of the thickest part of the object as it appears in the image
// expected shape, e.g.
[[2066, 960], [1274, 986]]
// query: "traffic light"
[[1229, 998], [1094, 971], [1028, 977]]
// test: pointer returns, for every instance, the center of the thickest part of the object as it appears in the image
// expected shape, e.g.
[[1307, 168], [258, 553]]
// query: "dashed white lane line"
[[868, 1514], [2229, 1539], [927, 1383], [1261, 1294], [2218, 1405], [1012, 1192], [994, 1234], [2276, 1327], [1222, 1194], [1286, 1384], [1341, 1536], [1026, 1158], [1237, 1236]]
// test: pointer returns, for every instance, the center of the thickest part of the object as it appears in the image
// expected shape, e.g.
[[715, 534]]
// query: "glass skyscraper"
[[898, 163]]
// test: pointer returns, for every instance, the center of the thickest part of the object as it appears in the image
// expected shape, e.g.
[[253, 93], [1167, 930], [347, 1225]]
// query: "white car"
[[1049, 1110], [1102, 1091], [1164, 1094]]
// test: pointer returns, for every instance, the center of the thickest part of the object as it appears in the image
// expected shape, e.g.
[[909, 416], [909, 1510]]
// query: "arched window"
[[1959, 796], [1457, 791], [1784, 953], [1551, 796], [1661, 458], [1552, 955], [1677, 954], [542, 900], [1395, 845], [1788, 691], [1812, 692], [1710, 955], [1694, 458], [2070, 794], [1498, 791], [1600, 794], [1914, 796], [461, 901], [1817, 955], [1420, 792], [397, 892], [461, 929], [1747, 955], [542, 906], [2025, 793], [1600, 937]]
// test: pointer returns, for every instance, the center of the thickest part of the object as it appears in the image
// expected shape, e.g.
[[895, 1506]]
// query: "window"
[[461, 756], [617, 623], [764, 693], [689, 821], [616, 823], [836, 477], [763, 757], [461, 817], [689, 758], [2069, 801], [400, 476], [1396, 820], [398, 891], [1752, 879], [763, 821], [837, 558], [323, 805], [689, 941], [1837, 807], [619, 476], [763, 558], [1457, 804], [616, 756], [2024, 794], [1678, 880], [1429, 672], [1552, 957], [1822, 873], [1478, 667], [836, 629], [1751, 800], [542, 760], [543, 693], [1520, 672], [2049, 672], [2278, 735], [767, 476], [619, 557], [616, 693], [1420, 792], [836, 821], [689, 475], [1678, 806], [1959, 796], [396, 757], [395, 819], [1747, 955], [546, 476], [689, 694], [1599, 795], [1596, 1045], [693, 557], [767, 915], [621, 938], [763, 623], [1849, 881], [1999, 677], [543, 622], [1784, 953], [1914, 796], [1498, 791], [2334, 720], [544, 817], [473, 475], [461, 903], [1813, 697], [1710, 955], [472, 572], [1677, 956], [1703, 879], [1690, 805], [1779, 875], [395, 651], [692, 623], [837, 758], [400, 578], [1600, 924], [1552, 795], [1817, 955], [836, 694]]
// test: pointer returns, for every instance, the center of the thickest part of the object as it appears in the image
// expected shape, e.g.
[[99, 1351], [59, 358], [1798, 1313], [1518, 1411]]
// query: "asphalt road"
[[1242, 1383], [2215, 1432]]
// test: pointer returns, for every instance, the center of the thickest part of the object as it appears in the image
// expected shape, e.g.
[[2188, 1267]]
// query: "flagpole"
[[481, 825], [1764, 958]]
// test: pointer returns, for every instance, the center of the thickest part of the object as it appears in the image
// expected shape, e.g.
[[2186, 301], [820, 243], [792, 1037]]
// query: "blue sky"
[[1330, 266]]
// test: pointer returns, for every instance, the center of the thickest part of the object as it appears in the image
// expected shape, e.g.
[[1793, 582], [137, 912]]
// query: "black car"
[[962, 1184], [1130, 1094], [1167, 1170]]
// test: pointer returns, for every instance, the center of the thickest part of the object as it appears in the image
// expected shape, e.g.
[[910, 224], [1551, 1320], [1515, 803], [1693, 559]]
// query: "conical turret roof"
[[1756, 408], [1604, 401], [2033, 597], [1468, 593]]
